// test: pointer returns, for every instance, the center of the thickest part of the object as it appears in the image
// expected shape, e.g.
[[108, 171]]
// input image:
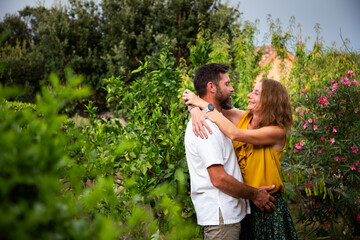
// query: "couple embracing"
[[235, 164]]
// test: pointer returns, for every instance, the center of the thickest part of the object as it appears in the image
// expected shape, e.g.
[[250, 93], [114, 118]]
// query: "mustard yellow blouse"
[[260, 165]]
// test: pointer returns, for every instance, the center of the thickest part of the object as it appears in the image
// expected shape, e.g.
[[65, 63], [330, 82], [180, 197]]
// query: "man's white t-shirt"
[[207, 199]]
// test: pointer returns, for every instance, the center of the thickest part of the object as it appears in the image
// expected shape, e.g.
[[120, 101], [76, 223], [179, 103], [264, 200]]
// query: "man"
[[217, 189]]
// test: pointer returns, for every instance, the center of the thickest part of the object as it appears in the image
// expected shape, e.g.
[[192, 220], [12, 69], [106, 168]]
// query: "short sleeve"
[[210, 149]]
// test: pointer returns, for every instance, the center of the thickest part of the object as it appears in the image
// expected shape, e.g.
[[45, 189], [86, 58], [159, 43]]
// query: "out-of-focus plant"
[[323, 162]]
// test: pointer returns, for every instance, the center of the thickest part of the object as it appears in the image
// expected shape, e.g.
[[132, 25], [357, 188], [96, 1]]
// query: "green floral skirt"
[[269, 225]]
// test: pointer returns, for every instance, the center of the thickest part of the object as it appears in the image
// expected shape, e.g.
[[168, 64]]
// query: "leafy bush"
[[155, 118], [34, 204], [324, 163], [19, 106]]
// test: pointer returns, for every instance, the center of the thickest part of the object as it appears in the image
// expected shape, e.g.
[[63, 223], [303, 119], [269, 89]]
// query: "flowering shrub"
[[323, 162]]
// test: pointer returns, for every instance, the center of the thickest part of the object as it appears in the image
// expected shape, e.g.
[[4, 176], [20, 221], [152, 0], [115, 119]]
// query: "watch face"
[[211, 107]]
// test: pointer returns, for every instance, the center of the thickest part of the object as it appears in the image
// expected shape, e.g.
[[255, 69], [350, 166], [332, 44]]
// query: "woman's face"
[[254, 98]]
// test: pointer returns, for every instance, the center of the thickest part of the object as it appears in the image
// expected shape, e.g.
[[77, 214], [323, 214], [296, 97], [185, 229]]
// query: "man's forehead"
[[224, 77]]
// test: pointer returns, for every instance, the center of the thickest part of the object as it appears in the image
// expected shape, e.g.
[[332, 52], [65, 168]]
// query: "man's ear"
[[211, 87]]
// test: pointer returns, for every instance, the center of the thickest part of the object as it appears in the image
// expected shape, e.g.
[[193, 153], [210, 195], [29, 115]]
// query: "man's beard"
[[226, 104]]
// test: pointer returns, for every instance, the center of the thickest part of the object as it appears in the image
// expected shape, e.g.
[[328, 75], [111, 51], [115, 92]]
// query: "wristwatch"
[[209, 108]]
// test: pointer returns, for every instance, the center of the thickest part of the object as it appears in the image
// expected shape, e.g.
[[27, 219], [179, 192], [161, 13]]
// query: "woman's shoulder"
[[234, 115]]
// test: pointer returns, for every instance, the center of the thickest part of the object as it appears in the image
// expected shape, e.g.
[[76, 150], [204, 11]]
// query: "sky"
[[334, 17]]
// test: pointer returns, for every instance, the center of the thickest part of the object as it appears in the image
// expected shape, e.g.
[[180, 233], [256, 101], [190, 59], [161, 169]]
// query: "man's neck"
[[212, 101]]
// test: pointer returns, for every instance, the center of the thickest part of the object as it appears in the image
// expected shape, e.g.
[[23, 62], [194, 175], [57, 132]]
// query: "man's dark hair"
[[208, 73]]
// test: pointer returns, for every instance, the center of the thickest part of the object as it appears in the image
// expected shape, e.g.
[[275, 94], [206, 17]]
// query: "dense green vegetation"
[[125, 176]]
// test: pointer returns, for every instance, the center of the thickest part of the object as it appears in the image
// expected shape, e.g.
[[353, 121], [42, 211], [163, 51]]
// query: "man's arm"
[[229, 185]]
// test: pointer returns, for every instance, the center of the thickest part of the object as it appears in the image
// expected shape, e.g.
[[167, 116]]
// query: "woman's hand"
[[198, 117], [198, 123], [190, 99]]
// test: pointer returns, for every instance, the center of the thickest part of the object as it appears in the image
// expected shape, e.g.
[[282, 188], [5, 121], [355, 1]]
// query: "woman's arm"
[[269, 135], [234, 115], [196, 103], [198, 116]]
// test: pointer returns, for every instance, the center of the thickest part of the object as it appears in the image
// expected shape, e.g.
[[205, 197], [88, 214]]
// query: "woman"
[[259, 138]]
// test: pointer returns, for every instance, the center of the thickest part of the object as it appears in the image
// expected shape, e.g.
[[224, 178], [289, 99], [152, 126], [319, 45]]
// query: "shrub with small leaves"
[[324, 161]]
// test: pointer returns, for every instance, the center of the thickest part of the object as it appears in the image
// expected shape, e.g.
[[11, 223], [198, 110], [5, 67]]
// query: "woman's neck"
[[255, 121]]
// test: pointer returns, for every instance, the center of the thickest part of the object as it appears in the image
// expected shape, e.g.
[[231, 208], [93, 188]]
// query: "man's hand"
[[264, 200]]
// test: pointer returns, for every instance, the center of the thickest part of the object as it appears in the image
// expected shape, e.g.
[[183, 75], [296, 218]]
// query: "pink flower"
[[332, 140], [334, 130], [336, 158], [358, 217], [350, 73], [355, 82], [305, 126], [315, 127], [303, 90], [325, 224], [356, 110], [325, 126], [297, 146], [323, 100], [302, 122], [308, 183], [310, 120], [354, 149], [352, 168], [322, 138], [296, 110], [295, 151], [334, 87], [302, 143], [315, 120], [314, 173], [332, 80], [357, 163], [344, 160], [345, 81], [319, 150]]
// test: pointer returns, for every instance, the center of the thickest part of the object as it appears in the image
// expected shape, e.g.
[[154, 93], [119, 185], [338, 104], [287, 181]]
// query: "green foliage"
[[245, 65], [32, 153], [20, 106], [21, 67], [200, 52], [324, 160], [279, 38], [102, 40], [155, 118]]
